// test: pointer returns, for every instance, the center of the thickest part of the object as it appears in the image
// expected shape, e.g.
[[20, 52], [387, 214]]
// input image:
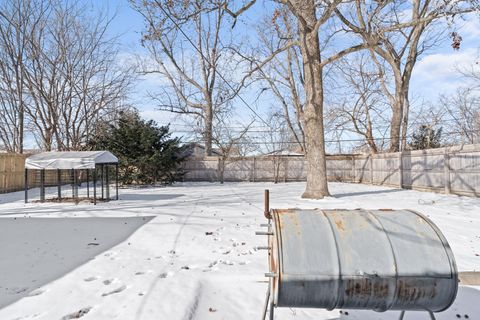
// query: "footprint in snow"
[[109, 281], [36, 292], [139, 273], [77, 314], [16, 290], [90, 279], [165, 275], [213, 263], [189, 267], [118, 290], [32, 316]]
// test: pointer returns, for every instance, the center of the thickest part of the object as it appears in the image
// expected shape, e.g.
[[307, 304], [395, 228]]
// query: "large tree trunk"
[[400, 110], [317, 187], [395, 126]]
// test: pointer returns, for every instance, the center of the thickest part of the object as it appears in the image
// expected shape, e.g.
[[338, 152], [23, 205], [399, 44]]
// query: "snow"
[[193, 257]]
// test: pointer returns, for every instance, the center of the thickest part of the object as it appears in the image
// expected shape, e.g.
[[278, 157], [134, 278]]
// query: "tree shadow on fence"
[[362, 193]]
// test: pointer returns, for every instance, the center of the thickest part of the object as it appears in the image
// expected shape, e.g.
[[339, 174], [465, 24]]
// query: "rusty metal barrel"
[[360, 259]]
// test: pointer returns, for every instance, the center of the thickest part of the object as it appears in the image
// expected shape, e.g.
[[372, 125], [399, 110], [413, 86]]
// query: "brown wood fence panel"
[[12, 175]]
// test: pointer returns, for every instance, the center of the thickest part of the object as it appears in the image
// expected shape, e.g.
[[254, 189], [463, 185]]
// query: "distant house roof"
[[197, 150], [285, 153], [69, 160]]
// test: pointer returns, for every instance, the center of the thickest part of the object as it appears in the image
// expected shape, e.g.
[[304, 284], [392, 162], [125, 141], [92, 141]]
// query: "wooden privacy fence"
[[451, 170], [12, 167]]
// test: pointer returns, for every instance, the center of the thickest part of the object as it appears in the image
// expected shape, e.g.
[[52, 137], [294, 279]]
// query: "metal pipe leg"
[[265, 306], [432, 316], [271, 310]]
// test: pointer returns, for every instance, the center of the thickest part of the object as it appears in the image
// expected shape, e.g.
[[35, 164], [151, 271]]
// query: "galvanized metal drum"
[[358, 259]]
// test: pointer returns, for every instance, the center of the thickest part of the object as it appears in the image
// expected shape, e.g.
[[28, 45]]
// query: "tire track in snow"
[[172, 257], [245, 200], [192, 310]]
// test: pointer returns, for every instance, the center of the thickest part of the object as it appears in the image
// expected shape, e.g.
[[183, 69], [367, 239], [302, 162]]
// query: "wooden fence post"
[[353, 169], [254, 169], [371, 168], [446, 171], [400, 169]]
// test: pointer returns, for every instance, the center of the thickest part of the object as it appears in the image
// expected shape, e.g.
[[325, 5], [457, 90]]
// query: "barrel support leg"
[[432, 316], [272, 308], [265, 307]]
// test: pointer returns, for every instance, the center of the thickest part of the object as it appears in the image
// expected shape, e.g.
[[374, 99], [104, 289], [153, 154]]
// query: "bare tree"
[[309, 18], [189, 45], [463, 109], [17, 20], [278, 141], [72, 76], [359, 104], [283, 76], [399, 32], [231, 145], [58, 74]]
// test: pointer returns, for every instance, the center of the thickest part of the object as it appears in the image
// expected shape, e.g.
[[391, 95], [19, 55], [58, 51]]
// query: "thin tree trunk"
[[21, 117], [406, 110], [208, 129], [396, 122]]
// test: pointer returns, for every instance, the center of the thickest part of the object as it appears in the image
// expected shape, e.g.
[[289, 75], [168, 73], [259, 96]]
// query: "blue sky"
[[434, 74]]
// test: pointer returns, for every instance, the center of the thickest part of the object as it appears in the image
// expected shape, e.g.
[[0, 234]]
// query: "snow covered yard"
[[195, 259]]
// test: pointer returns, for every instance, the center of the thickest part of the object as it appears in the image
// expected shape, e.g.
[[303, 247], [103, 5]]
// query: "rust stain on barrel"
[[359, 287], [340, 225], [408, 292]]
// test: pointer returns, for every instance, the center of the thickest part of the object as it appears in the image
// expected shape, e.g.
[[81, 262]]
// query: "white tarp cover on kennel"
[[69, 160]]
